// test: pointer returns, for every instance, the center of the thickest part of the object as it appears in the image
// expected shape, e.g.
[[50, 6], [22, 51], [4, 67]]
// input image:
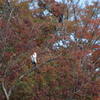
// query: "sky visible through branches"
[[81, 1]]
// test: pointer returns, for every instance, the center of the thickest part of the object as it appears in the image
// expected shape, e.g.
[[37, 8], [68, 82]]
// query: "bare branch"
[[10, 16], [31, 70], [96, 40], [5, 91], [80, 88]]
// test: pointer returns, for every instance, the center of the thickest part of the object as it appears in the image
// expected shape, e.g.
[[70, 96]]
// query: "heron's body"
[[61, 18], [33, 59]]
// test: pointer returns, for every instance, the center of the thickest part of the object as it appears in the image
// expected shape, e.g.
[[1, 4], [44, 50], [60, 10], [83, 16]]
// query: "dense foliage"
[[68, 61]]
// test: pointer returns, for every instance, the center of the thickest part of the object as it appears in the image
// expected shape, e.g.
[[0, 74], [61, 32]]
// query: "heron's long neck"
[[35, 55]]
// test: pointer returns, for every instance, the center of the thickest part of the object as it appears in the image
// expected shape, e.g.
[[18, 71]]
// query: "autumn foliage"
[[68, 53]]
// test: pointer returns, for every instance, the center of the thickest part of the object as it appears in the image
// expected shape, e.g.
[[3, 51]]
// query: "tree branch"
[[5, 91], [31, 70], [80, 88]]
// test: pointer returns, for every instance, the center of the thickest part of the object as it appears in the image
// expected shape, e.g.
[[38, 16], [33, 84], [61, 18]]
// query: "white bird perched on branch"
[[33, 59]]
